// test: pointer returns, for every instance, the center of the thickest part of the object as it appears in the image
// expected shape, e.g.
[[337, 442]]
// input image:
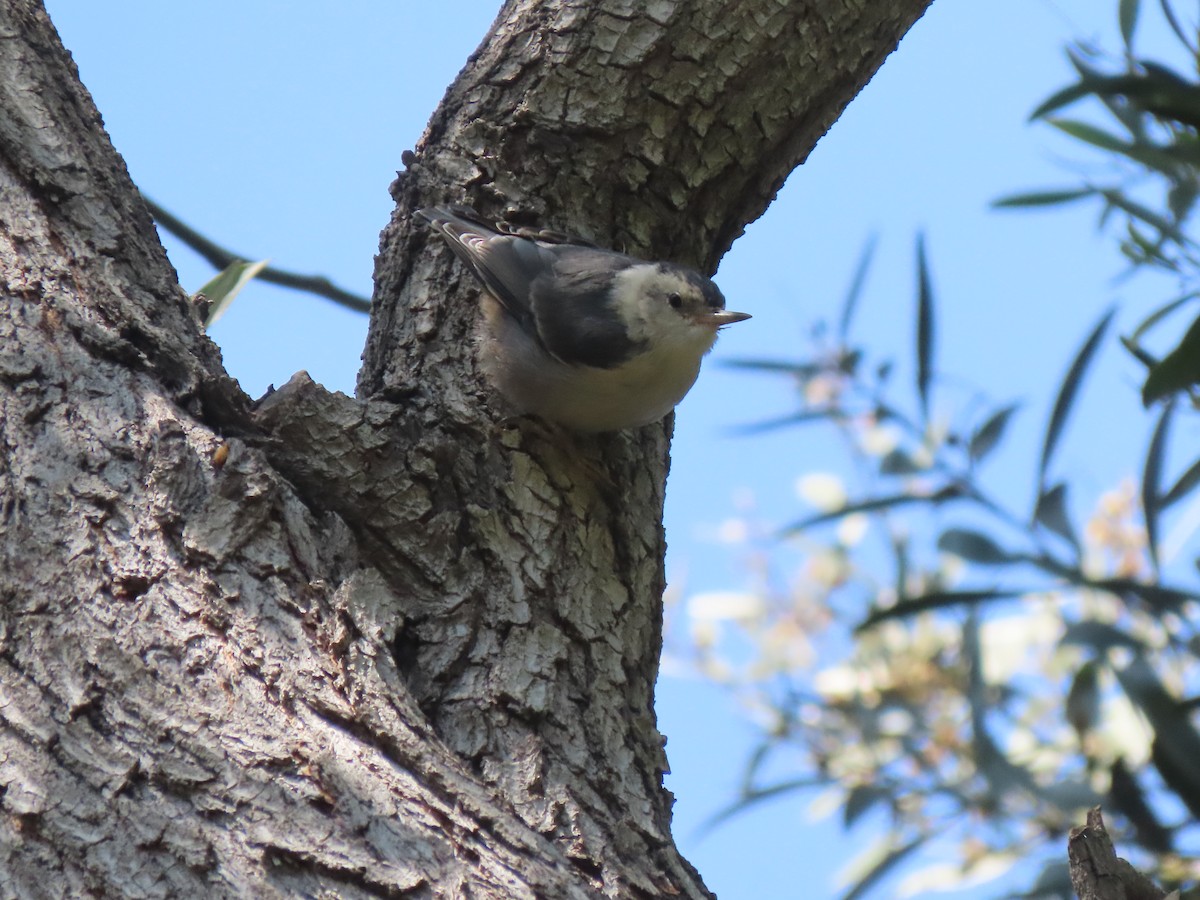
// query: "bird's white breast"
[[586, 398]]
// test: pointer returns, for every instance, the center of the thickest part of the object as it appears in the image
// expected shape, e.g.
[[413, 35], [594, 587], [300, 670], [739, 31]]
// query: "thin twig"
[[219, 258]]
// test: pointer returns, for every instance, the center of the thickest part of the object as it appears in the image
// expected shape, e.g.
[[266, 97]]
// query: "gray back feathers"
[[556, 291]]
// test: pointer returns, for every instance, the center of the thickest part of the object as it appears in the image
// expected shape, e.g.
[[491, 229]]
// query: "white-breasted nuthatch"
[[592, 339]]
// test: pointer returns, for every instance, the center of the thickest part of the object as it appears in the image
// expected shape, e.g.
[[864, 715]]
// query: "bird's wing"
[[556, 288], [505, 264], [571, 310]]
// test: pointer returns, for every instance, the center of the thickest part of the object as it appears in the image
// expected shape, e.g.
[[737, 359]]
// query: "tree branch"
[[220, 258], [1097, 873]]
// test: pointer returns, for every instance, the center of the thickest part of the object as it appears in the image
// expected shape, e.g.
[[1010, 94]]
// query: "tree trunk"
[[395, 645], [1097, 873]]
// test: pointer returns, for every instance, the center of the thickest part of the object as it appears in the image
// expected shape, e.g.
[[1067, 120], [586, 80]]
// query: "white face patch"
[[640, 293]]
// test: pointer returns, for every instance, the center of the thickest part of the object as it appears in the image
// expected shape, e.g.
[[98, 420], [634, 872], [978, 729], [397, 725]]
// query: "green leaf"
[[1138, 353], [1128, 798], [1067, 393], [1176, 747], [1159, 598], [862, 800], [1165, 93], [1177, 765], [1153, 158], [752, 796], [881, 868], [1159, 314], [1127, 15], [1130, 95], [1136, 210], [221, 290], [990, 432], [850, 303], [1083, 698], [875, 504], [1151, 478], [1090, 134], [911, 606], [898, 462], [1051, 512], [782, 366], [1178, 370], [1184, 486], [1182, 196], [925, 328], [1004, 777], [973, 546], [1061, 98], [1180, 33], [1100, 636], [798, 418], [1142, 685], [1043, 198]]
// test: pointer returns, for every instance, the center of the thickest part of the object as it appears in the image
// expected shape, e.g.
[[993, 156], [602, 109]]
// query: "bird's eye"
[[675, 300]]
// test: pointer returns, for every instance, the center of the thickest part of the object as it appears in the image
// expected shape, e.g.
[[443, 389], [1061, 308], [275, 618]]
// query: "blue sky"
[[275, 129]]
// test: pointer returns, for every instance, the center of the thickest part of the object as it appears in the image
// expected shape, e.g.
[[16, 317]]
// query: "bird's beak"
[[718, 317]]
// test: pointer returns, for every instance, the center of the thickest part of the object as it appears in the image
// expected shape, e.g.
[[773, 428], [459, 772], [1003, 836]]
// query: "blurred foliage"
[[1151, 143], [948, 662]]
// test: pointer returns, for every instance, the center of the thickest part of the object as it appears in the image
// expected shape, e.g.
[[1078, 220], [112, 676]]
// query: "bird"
[[591, 339]]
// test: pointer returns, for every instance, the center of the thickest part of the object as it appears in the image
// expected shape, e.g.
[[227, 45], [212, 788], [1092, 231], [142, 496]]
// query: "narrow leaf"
[[973, 546], [1176, 748], [1127, 15], [1151, 478], [860, 801], [782, 366], [1138, 353], [990, 432], [784, 421], [1152, 157], [1160, 599], [1051, 512], [1100, 636], [1131, 207], [226, 284], [1143, 686], [1179, 369], [752, 797], [1087, 73], [874, 504], [850, 303], [1061, 98], [757, 759], [880, 869], [936, 600], [798, 418], [1159, 314], [1184, 486], [925, 328], [1067, 393], [899, 462], [1129, 798], [1042, 198], [1083, 698], [1090, 134], [1173, 754], [1169, 14]]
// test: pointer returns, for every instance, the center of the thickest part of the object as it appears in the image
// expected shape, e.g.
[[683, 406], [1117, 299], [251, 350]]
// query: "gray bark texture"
[[1097, 873], [399, 645]]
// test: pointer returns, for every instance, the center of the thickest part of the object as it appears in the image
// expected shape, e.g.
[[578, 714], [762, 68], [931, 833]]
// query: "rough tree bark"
[[1097, 873], [394, 645]]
